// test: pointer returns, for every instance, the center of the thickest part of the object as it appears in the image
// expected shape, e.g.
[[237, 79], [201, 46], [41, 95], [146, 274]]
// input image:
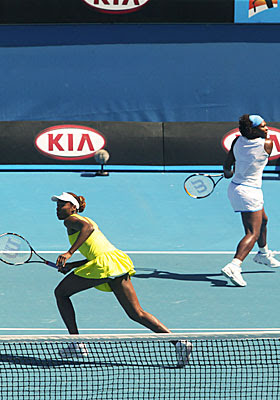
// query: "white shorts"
[[245, 198]]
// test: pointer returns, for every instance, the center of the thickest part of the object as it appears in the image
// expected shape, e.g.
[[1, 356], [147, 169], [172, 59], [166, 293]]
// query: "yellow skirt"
[[108, 265]]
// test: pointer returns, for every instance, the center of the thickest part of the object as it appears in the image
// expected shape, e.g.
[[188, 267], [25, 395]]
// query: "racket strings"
[[14, 249], [199, 186]]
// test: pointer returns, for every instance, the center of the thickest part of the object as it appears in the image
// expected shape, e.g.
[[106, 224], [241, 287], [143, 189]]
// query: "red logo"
[[273, 133], [69, 142], [117, 6]]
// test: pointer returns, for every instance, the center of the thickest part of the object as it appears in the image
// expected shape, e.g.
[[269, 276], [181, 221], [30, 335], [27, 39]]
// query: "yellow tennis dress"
[[104, 260]]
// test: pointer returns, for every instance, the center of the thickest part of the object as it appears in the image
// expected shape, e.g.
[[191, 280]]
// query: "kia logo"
[[116, 6], [69, 142], [273, 133]]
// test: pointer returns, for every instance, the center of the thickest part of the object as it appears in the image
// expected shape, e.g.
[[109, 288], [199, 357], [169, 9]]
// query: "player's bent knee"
[[264, 221], [59, 292], [253, 236]]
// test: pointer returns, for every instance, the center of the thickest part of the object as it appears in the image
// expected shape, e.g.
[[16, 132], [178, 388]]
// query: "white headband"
[[67, 197]]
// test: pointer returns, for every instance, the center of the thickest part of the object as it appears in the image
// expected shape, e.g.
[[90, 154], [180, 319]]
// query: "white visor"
[[66, 197]]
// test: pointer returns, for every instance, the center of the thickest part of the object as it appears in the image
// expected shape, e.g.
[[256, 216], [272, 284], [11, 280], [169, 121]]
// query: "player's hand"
[[67, 267], [61, 262], [228, 173]]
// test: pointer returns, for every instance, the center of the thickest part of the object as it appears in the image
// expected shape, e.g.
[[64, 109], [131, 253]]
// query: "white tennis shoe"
[[267, 259], [183, 352], [233, 273], [74, 350]]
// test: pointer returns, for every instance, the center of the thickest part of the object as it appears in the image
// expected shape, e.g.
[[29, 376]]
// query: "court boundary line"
[[175, 252], [127, 168], [187, 330]]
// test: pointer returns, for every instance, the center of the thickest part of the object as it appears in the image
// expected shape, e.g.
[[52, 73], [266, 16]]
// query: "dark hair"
[[81, 200], [245, 126]]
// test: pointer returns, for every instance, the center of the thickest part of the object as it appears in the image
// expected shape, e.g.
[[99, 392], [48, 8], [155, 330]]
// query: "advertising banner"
[[128, 143], [206, 143], [257, 11], [76, 142], [115, 11]]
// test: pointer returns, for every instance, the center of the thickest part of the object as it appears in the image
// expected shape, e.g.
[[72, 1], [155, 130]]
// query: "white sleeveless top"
[[250, 160]]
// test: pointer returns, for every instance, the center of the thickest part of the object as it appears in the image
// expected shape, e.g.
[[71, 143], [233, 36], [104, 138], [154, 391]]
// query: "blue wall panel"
[[199, 81]]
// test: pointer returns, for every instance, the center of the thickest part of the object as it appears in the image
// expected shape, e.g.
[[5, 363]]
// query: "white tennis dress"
[[244, 191]]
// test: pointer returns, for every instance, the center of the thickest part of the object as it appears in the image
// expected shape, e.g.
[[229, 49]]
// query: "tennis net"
[[87, 367]]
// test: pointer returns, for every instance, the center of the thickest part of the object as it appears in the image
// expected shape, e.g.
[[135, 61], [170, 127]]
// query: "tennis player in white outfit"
[[245, 162]]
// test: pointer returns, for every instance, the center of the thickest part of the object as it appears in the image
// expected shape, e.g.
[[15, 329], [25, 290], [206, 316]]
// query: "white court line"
[[161, 252], [137, 330]]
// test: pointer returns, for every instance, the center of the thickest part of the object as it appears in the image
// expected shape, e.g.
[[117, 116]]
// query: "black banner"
[[128, 143], [195, 143], [70, 143], [116, 11]]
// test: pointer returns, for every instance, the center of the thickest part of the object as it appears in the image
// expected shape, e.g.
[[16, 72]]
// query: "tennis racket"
[[199, 186], [15, 250]]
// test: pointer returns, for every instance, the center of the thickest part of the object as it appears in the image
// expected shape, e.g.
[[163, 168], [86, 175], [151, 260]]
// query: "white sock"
[[236, 262], [264, 249]]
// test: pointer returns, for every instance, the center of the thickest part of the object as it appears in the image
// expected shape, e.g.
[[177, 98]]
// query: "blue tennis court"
[[178, 246], [144, 88]]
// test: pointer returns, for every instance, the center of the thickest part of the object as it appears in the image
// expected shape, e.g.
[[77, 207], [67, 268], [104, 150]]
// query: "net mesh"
[[139, 367]]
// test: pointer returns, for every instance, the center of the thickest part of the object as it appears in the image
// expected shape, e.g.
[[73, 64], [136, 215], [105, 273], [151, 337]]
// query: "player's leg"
[[264, 255], [252, 222], [126, 295], [70, 285]]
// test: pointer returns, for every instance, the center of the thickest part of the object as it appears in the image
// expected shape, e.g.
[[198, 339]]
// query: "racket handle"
[[51, 264]]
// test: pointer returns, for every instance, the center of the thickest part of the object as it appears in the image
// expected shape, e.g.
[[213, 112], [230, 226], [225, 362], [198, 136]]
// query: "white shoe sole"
[[267, 265], [73, 353], [231, 278], [183, 350]]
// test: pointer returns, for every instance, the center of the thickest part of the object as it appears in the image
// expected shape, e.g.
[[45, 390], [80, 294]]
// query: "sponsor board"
[[69, 142], [119, 11], [273, 133], [128, 143], [257, 11], [116, 6]]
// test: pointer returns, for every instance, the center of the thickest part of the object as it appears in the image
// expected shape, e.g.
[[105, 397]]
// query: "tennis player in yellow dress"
[[104, 267]]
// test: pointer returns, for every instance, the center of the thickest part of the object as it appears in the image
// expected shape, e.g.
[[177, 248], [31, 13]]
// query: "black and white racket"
[[199, 186], [15, 250]]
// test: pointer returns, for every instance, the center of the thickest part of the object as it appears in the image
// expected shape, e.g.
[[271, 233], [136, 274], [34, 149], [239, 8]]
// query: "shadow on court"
[[35, 361], [87, 363], [212, 278]]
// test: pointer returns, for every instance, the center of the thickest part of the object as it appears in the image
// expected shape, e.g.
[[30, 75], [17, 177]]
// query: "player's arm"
[[74, 224], [229, 162], [268, 146]]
